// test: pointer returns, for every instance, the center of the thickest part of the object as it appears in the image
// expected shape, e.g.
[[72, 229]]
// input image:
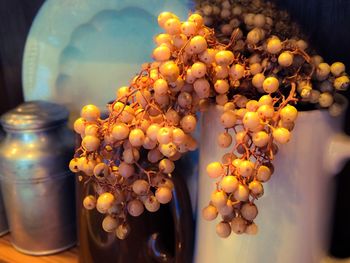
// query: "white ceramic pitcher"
[[296, 209]]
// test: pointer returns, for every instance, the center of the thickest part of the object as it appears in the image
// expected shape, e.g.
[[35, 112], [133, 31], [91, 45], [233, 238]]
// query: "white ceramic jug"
[[296, 209]]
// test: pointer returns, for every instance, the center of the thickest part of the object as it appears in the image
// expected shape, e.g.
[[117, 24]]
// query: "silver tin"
[[38, 189], [4, 229]]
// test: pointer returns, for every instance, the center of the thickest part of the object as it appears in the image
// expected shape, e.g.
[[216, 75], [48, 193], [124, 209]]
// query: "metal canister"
[[4, 229], [3, 221], [38, 189]]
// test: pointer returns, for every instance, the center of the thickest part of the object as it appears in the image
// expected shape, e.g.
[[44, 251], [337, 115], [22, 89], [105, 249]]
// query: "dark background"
[[326, 22]]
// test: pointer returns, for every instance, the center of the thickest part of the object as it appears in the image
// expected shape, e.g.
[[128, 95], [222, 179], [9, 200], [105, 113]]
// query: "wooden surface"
[[9, 255]]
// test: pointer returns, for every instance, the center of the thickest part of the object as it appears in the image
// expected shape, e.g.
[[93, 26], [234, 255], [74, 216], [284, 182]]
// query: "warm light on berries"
[[254, 76]]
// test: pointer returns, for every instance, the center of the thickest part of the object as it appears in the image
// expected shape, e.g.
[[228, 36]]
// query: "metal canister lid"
[[34, 115]]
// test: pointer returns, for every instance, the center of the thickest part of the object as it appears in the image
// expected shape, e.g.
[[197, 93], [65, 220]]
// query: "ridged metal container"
[[38, 189], [4, 229]]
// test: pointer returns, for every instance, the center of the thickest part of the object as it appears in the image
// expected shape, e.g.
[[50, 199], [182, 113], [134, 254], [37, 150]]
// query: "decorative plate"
[[80, 51]]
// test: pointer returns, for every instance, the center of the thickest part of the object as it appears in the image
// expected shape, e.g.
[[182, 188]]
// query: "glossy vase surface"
[[164, 236]]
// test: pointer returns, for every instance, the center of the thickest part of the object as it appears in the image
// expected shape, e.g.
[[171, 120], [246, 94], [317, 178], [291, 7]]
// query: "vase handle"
[[337, 154], [183, 218], [156, 251], [183, 227]]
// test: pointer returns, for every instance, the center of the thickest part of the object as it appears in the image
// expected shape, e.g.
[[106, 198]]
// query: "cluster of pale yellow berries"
[[256, 127], [129, 156], [225, 15], [282, 73], [259, 20]]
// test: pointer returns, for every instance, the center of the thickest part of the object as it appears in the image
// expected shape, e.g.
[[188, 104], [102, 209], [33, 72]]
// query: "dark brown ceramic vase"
[[164, 236]]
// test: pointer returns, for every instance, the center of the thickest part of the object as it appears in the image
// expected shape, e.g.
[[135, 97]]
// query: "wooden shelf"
[[9, 255]]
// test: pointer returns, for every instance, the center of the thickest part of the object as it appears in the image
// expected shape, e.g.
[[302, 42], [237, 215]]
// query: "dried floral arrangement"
[[256, 71]]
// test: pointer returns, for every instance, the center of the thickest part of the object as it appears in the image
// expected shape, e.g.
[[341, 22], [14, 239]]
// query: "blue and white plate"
[[80, 51]]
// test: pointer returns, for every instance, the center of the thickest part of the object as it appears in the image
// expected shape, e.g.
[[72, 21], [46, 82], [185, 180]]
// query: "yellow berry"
[[104, 202], [229, 184], [285, 59], [90, 112], [274, 45], [289, 113], [337, 68], [270, 85], [209, 213], [89, 202], [281, 135]]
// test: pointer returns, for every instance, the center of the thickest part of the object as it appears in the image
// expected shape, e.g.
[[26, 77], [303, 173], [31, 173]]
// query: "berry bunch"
[[130, 155], [226, 15]]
